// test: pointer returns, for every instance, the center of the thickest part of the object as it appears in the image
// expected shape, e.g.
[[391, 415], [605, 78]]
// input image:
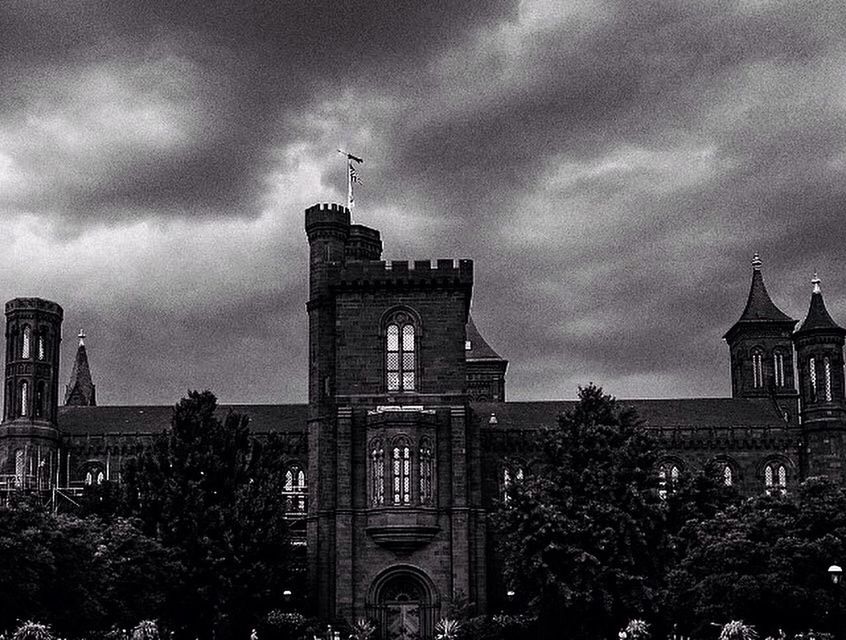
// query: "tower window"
[[778, 369], [400, 360], [42, 350], [377, 474], [668, 478], [812, 374], [401, 459], [757, 370], [26, 343], [728, 479], [827, 372], [24, 399], [425, 472], [39, 399], [20, 467]]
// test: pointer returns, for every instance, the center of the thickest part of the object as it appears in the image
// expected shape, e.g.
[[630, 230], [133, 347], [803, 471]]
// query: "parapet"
[[363, 243], [325, 217], [400, 273], [34, 304]]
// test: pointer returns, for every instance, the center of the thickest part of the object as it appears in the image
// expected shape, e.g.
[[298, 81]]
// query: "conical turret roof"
[[478, 349], [760, 309], [80, 389], [818, 318]]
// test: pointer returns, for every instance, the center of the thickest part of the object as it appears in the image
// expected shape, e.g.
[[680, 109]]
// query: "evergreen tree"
[[213, 494], [582, 538]]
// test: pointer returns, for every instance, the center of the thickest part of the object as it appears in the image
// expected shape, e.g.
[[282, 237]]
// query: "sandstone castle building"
[[407, 440]]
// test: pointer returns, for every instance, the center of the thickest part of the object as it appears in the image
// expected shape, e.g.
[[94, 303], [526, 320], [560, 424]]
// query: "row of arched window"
[[403, 463], [779, 379], [774, 477], [24, 347], [19, 403], [820, 390]]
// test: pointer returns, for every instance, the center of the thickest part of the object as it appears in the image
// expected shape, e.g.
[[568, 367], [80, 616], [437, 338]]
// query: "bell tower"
[[29, 435], [761, 348]]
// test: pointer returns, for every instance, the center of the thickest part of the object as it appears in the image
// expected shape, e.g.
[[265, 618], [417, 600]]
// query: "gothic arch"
[[403, 595]]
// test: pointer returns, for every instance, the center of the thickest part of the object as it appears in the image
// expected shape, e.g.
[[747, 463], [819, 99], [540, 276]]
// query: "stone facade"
[[407, 442]]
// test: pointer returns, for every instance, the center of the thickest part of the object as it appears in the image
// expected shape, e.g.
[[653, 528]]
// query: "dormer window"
[[400, 354]]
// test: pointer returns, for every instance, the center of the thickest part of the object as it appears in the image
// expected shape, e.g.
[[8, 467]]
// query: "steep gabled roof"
[[479, 348], [760, 309], [818, 318]]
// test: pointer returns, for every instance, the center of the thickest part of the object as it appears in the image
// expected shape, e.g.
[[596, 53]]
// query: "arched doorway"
[[403, 601]]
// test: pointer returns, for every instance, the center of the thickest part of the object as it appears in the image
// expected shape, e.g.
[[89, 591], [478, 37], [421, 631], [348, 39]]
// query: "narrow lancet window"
[[827, 373], [26, 343], [24, 399], [42, 351], [775, 479], [402, 473], [377, 474], [728, 480], [757, 370], [778, 369], [812, 374], [425, 472]]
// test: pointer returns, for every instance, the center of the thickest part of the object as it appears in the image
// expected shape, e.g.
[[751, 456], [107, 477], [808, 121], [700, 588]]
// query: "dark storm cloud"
[[610, 166]]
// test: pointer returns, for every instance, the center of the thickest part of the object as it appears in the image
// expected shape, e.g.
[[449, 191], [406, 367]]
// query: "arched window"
[[24, 399], [39, 399], [425, 471], [728, 476], [778, 369], [10, 399], [295, 489], [757, 369], [668, 479], [26, 342], [20, 467], [400, 353], [401, 468], [812, 375], [775, 478], [827, 373], [377, 474], [42, 348], [510, 475]]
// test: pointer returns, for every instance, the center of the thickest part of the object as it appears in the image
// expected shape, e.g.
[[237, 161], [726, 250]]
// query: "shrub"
[[737, 630], [30, 630], [145, 630]]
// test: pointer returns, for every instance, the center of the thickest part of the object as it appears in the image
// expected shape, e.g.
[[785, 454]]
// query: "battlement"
[[34, 304], [327, 218], [363, 243], [400, 272]]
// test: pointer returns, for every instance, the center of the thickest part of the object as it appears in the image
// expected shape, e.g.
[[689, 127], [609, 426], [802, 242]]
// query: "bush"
[[281, 625], [145, 630], [30, 630]]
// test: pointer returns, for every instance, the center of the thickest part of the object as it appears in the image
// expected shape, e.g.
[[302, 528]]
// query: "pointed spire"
[[759, 306], [818, 318], [80, 389]]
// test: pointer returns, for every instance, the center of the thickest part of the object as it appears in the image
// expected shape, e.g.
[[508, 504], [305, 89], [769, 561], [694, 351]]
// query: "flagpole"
[[351, 176]]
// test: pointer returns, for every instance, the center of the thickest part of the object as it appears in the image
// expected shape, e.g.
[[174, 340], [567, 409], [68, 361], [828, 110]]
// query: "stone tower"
[[395, 525], [29, 436], [819, 351], [761, 349], [80, 390]]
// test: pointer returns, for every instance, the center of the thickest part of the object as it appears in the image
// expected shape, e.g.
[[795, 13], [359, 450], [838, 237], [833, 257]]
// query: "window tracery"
[[401, 472], [295, 489], [400, 353], [775, 478]]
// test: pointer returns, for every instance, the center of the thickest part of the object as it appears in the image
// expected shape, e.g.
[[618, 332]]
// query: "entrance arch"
[[404, 602]]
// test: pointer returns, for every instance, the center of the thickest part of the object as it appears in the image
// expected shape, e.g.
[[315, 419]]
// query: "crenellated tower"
[[29, 436], [761, 349], [819, 351]]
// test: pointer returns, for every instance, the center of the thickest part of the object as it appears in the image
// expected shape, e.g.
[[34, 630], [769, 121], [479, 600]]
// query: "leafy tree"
[[581, 539], [764, 561], [213, 494]]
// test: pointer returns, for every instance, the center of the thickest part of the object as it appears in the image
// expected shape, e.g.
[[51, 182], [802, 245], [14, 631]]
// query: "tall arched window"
[[778, 368], [24, 399], [20, 467], [728, 476], [827, 374], [377, 473], [26, 342], [775, 478], [668, 478], [812, 375], [401, 468], [41, 351], [295, 489], [425, 471], [757, 369], [400, 353]]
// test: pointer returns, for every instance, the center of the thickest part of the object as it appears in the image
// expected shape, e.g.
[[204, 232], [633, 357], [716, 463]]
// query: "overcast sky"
[[610, 167]]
